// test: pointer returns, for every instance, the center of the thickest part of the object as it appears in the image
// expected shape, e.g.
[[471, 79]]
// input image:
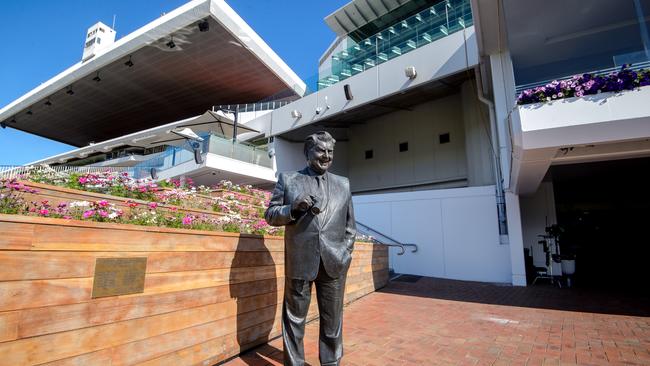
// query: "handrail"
[[395, 243]]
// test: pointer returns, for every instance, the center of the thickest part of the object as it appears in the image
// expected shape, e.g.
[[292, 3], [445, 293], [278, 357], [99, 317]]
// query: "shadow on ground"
[[544, 296]]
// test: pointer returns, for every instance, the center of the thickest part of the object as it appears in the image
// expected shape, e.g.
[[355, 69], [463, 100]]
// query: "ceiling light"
[[13, 120], [29, 112], [171, 43], [129, 63], [70, 91], [204, 26], [296, 113], [48, 103], [97, 78], [137, 139]]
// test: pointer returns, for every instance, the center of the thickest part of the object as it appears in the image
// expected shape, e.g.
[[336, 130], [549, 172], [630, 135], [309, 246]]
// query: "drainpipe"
[[498, 178]]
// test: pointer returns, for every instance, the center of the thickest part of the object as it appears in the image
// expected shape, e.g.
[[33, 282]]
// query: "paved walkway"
[[443, 322]]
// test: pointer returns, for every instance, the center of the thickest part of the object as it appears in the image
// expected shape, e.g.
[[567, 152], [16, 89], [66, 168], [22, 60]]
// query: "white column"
[[503, 86], [516, 239]]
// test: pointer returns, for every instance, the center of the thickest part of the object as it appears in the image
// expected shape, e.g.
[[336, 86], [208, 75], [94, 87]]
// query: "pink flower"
[[131, 204], [67, 217], [102, 203], [88, 213], [83, 180], [187, 220], [44, 212], [103, 213], [153, 205]]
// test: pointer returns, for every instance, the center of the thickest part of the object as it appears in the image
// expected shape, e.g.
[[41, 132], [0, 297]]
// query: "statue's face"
[[320, 156]]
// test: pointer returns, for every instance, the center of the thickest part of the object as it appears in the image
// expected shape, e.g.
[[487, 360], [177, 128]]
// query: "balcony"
[[235, 161], [421, 29]]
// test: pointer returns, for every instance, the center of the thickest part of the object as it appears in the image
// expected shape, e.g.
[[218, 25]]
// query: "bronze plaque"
[[119, 276]]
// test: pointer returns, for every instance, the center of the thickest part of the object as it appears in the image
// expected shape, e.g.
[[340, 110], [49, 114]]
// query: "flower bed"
[[223, 214], [586, 84]]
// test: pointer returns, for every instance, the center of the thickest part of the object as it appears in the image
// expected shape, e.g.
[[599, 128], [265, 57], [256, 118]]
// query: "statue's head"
[[319, 151]]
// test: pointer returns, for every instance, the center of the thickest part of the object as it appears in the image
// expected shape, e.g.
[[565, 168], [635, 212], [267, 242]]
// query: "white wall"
[[479, 151], [426, 161], [288, 155], [456, 231], [537, 212], [441, 58]]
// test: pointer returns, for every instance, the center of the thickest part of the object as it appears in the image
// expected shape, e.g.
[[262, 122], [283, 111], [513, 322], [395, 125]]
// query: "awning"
[[141, 82]]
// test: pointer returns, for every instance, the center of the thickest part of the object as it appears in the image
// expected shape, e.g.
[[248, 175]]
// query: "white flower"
[[79, 204]]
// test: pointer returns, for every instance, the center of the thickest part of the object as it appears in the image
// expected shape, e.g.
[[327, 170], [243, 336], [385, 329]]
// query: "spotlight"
[[29, 112], [70, 91], [347, 91], [48, 103], [97, 78], [129, 63], [410, 72], [204, 26], [171, 43]]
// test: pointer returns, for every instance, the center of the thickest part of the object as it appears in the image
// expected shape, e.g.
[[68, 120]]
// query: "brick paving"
[[444, 322]]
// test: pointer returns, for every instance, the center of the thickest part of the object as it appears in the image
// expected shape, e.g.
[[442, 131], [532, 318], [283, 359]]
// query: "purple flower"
[[187, 220]]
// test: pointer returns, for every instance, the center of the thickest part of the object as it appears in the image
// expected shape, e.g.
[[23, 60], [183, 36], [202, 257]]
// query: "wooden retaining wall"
[[207, 295]]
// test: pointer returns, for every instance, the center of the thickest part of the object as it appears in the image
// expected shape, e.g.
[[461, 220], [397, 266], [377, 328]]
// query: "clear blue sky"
[[42, 38]]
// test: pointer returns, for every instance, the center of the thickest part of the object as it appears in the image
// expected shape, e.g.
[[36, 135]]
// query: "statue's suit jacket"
[[328, 236]]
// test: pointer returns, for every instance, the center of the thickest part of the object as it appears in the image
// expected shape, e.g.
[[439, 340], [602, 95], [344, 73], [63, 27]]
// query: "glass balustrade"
[[212, 143], [429, 25]]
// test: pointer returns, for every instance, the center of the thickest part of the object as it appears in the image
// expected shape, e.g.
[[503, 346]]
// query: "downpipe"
[[498, 176]]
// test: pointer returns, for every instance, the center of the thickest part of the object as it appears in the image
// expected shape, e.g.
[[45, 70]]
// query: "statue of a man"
[[316, 207]]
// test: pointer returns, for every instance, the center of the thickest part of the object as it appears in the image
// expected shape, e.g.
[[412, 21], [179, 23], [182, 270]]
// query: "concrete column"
[[516, 240]]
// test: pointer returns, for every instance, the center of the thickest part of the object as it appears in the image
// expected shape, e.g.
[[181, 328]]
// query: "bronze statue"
[[316, 207]]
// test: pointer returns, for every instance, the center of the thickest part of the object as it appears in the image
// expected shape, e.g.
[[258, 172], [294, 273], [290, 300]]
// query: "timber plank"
[[9, 325], [52, 319], [16, 236], [70, 238], [139, 351], [36, 293], [25, 265], [98, 358], [57, 346]]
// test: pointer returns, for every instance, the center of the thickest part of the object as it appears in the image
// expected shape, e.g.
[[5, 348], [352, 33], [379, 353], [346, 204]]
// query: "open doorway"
[[604, 208]]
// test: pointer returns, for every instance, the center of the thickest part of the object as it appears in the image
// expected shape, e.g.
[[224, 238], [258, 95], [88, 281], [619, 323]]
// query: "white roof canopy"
[[141, 81]]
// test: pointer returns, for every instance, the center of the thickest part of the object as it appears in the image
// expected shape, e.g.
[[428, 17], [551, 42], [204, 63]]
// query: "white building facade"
[[421, 97]]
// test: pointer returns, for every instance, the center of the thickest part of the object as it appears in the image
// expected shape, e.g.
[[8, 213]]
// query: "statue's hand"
[[302, 203]]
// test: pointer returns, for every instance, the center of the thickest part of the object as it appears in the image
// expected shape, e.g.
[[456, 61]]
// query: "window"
[[369, 154], [444, 138], [99, 40], [403, 146]]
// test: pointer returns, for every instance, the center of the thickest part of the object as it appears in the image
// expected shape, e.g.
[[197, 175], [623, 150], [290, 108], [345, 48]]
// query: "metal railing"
[[635, 67], [15, 171], [253, 107], [177, 155], [376, 235], [433, 23]]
